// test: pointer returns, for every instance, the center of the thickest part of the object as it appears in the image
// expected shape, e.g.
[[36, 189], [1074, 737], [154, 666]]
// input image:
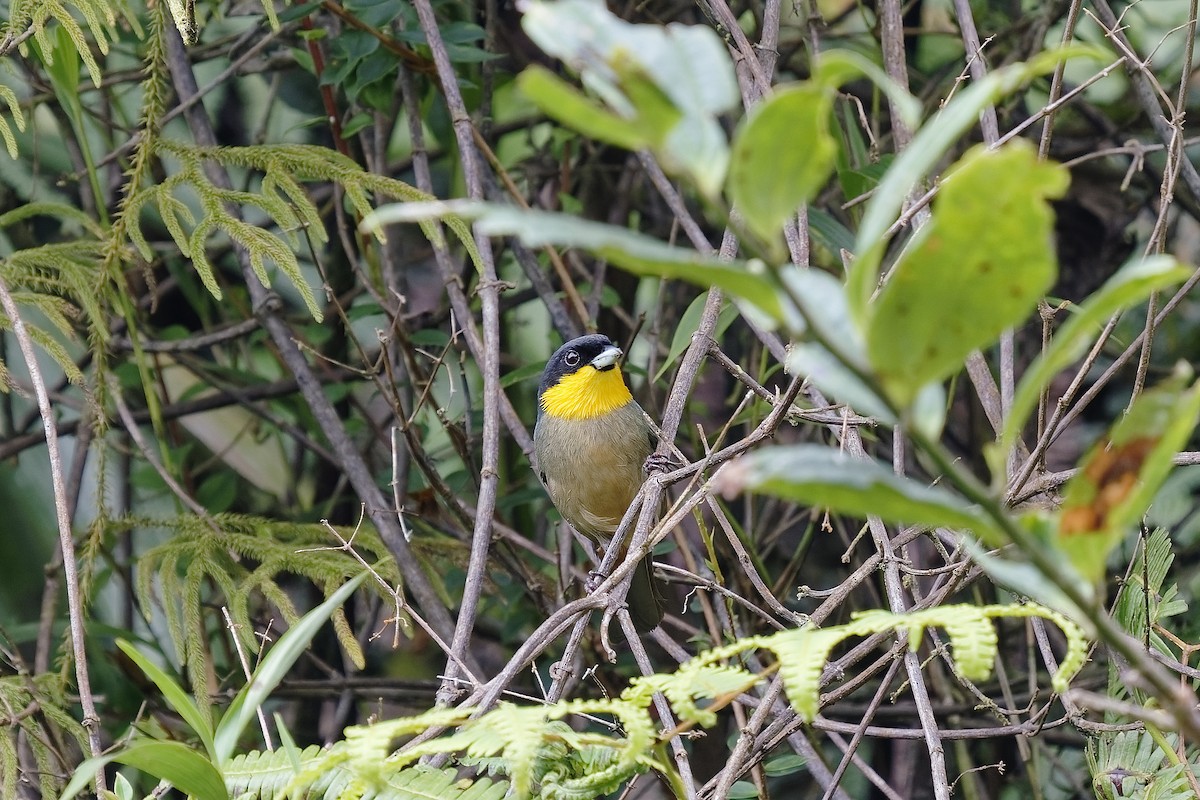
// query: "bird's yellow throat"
[[586, 394]]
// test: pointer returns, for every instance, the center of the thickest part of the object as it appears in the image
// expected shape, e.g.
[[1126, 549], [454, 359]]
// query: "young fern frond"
[[319, 777], [519, 740]]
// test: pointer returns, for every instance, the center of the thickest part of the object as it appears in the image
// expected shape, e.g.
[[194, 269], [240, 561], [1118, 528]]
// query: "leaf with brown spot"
[[1121, 473]]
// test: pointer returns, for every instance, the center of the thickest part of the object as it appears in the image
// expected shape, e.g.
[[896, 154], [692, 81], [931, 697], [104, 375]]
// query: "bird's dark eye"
[[571, 358]]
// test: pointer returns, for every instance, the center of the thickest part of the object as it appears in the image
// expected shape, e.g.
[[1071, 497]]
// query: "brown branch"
[[66, 540]]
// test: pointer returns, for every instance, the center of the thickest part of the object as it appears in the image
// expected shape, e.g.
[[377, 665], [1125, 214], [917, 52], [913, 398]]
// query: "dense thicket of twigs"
[[203, 441]]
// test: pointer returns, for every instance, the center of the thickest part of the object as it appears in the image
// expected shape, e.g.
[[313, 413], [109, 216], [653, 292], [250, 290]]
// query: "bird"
[[592, 441]]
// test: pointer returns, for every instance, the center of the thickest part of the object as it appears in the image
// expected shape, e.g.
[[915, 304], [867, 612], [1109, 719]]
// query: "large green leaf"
[[173, 693], [826, 478], [825, 319], [747, 280], [173, 762], [1120, 475], [978, 267], [1130, 285], [782, 156], [926, 150]]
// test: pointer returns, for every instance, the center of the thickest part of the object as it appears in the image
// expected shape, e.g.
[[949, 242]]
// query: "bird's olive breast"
[[593, 468]]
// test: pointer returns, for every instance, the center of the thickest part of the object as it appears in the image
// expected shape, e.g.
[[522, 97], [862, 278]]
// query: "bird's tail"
[[644, 598]]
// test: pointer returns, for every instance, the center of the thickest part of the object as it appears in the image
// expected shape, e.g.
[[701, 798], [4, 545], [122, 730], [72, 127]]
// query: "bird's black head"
[[578, 353]]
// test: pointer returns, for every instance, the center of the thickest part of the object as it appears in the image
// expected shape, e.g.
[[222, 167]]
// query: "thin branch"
[[267, 311], [66, 541]]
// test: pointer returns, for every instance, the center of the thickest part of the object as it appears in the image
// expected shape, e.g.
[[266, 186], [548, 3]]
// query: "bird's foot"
[[594, 579], [660, 462]]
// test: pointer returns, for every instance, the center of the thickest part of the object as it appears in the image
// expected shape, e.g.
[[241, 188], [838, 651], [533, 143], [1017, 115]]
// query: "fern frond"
[[36, 14], [691, 682], [54, 280], [67, 269], [45, 693], [9, 98], [1135, 762], [154, 93], [802, 653], [280, 197], [1147, 584], [318, 773], [250, 555], [368, 747], [802, 676], [544, 757], [50, 209]]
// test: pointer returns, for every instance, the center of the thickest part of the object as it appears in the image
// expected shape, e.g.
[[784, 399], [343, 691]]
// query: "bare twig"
[[266, 308], [66, 541]]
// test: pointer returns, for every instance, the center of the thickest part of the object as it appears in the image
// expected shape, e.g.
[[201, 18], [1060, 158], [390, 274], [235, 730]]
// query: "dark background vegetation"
[[231, 443]]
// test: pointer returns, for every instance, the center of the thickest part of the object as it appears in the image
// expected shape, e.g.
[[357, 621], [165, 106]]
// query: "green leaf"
[[668, 83], [978, 267], [1027, 580], [826, 478], [782, 156], [927, 148], [274, 667], [563, 102], [1130, 285], [173, 693], [836, 381], [695, 147], [828, 232], [122, 788], [787, 764], [1122, 472], [743, 790], [689, 323], [184, 768], [821, 301], [835, 68], [634, 252], [689, 63]]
